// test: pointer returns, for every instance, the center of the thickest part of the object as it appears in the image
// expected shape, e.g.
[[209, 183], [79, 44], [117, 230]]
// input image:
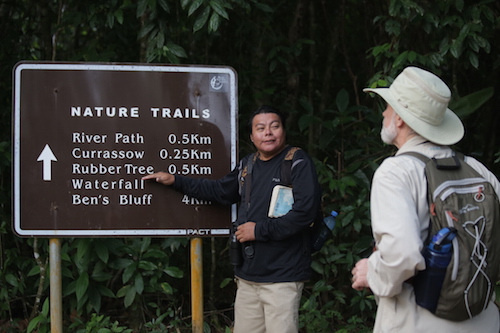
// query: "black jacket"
[[281, 249]]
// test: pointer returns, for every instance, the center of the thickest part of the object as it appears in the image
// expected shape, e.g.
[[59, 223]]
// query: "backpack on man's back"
[[461, 198]]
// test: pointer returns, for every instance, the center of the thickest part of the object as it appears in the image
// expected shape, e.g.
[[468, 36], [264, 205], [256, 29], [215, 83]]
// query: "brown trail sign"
[[85, 133]]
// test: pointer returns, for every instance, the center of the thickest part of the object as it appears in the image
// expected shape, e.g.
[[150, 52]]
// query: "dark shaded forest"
[[309, 58]]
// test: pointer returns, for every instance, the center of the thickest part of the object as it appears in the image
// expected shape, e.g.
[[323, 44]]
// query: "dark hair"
[[266, 109]]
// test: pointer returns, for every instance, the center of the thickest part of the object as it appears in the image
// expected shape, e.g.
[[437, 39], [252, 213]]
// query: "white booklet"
[[281, 201]]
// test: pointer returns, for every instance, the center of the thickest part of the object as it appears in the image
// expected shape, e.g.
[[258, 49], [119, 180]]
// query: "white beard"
[[389, 133]]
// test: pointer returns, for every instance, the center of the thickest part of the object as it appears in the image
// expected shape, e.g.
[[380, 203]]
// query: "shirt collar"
[[422, 145]]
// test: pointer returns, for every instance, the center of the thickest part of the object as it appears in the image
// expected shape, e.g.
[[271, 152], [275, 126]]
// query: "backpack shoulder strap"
[[286, 166], [247, 182], [245, 167], [421, 157], [447, 163], [291, 153]]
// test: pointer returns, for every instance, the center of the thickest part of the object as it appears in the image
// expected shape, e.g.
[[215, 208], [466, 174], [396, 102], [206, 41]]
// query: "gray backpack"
[[460, 197]]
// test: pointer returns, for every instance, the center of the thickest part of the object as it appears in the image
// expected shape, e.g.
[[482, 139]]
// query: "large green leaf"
[[101, 250], [82, 285], [201, 19], [174, 272], [130, 296]]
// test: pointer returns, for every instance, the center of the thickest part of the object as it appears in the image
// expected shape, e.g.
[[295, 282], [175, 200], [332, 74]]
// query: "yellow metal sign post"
[[197, 284]]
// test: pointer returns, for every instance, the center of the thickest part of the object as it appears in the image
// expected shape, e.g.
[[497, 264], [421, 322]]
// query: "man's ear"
[[399, 121]]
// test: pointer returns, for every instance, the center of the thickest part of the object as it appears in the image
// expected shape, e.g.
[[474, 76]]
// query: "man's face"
[[389, 130], [268, 135]]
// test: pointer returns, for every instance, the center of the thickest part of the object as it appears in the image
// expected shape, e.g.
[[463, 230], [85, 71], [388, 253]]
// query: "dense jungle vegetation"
[[310, 58]]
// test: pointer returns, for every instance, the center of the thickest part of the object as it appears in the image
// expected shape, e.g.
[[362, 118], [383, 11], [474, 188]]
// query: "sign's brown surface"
[[85, 133]]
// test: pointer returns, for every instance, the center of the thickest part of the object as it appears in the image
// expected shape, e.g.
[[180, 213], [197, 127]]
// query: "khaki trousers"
[[267, 307]]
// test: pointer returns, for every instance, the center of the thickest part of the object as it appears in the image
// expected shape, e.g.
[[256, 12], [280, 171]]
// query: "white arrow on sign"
[[47, 156]]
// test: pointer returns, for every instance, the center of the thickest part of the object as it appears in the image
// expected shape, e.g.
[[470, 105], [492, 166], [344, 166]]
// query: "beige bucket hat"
[[421, 99]]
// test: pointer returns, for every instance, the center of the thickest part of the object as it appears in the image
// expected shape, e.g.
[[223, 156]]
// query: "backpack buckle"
[[448, 163]]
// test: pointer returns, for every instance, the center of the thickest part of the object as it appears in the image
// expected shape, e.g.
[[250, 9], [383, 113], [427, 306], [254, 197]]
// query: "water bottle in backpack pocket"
[[322, 230], [437, 254]]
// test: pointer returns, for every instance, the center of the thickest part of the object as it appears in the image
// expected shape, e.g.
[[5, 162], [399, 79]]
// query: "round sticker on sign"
[[219, 82]]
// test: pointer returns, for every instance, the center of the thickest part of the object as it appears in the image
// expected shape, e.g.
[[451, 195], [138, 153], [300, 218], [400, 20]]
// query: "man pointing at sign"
[[275, 252]]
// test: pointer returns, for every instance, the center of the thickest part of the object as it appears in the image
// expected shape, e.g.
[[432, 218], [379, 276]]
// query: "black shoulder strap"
[[248, 178]]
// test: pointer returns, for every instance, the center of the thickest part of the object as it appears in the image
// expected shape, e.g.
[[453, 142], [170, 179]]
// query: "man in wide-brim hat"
[[417, 119]]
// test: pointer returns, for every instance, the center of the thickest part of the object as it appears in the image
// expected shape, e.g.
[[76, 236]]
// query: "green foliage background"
[[310, 58]]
